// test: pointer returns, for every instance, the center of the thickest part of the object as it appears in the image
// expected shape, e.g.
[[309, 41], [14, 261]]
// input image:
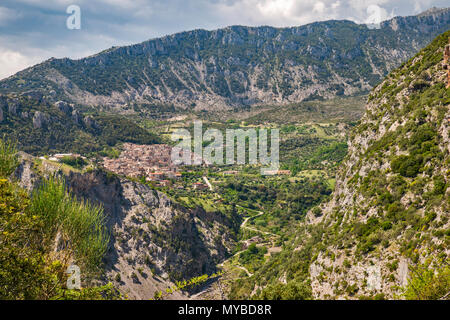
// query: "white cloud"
[[278, 13], [12, 62], [335, 5], [376, 14], [276, 7], [319, 7]]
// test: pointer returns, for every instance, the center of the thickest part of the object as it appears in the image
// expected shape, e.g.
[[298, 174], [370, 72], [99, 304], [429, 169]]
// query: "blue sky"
[[34, 30]]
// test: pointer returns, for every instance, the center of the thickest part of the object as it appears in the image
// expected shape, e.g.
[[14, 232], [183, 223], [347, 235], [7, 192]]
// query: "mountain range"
[[234, 66]]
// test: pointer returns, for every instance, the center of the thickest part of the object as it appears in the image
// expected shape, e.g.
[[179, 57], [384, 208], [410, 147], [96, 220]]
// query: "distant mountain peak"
[[234, 67], [433, 11]]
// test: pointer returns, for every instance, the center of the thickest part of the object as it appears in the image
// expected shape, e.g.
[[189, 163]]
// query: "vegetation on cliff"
[[39, 127], [42, 234], [385, 232]]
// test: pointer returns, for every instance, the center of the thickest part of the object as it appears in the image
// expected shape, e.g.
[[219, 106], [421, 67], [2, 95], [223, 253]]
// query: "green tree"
[[8, 157], [429, 281]]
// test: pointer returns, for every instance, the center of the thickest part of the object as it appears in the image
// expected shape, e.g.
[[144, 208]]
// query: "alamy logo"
[[74, 20], [236, 141], [74, 280], [376, 15]]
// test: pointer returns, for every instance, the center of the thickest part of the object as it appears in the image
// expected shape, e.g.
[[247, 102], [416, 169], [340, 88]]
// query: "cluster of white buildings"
[[150, 161]]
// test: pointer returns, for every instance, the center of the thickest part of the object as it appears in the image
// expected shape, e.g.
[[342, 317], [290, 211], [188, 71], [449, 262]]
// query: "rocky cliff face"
[[154, 241], [234, 66], [390, 208]]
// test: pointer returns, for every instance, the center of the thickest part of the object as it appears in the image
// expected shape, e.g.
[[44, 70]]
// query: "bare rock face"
[[152, 234], [63, 107], [3, 107], [40, 119], [90, 122], [446, 62], [13, 107], [76, 117], [24, 174]]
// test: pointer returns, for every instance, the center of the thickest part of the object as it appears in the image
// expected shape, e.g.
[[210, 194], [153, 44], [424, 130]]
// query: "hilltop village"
[[150, 161]]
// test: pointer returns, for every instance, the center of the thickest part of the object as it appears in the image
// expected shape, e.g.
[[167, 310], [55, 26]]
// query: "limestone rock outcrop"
[[40, 119], [63, 107]]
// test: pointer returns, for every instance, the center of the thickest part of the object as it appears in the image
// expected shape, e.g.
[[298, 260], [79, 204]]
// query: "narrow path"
[[248, 218], [239, 252], [245, 269], [243, 224], [208, 183], [256, 230], [237, 266]]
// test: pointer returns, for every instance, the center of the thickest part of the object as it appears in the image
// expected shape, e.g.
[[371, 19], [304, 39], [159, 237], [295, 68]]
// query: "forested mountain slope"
[[40, 127]]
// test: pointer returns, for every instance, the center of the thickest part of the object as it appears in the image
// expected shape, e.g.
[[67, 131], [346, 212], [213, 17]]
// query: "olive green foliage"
[[422, 147], [429, 281], [104, 292], [291, 291], [8, 157], [25, 270], [284, 199], [76, 162], [342, 109], [61, 133], [114, 129], [80, 223], [30, 268], [185, 285], [253, 255]]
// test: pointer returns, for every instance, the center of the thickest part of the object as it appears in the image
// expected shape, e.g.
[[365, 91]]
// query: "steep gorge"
[[385, 232], [154, 241]]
